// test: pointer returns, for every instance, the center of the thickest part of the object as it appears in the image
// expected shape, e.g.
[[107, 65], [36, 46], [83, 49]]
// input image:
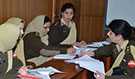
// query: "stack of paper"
[[39, 73], [89, 63]]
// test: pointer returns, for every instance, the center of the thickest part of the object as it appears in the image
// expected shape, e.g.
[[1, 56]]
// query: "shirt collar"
[[63, 22], [124, 44]]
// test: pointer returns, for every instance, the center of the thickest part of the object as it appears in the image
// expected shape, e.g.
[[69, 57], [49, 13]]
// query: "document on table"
[[85, 49], [90, 47], [89, 63], [64, 56], [43, 73], [98, 44]]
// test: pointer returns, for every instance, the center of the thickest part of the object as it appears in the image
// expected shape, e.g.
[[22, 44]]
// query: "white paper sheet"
[[63, 56]]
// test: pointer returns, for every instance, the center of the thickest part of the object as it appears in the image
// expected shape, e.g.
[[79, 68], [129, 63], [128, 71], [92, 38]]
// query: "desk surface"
[[71, 71]]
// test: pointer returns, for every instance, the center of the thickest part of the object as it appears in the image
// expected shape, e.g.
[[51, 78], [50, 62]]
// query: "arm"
[[32, 45], [102, 51]]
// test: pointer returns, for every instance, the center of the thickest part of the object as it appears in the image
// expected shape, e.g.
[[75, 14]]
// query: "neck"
[[121, 42], [64, 21]]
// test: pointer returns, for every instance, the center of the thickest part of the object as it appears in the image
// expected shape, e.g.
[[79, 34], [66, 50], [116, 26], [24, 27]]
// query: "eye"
[[22, 21], [66, 12], [46, 27]]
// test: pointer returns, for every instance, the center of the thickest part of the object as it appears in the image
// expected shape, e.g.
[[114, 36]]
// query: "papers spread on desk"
[[40, 73], [98, 44], [84, 49], [90, 47], [89, 63], [64, 56]]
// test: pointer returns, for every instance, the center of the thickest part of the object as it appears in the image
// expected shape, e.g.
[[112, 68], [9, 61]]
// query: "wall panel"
[[92, 15], [26, 9]]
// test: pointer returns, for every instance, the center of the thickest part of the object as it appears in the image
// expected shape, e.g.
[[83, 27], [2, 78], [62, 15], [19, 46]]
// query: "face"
[[68, 14], [47, 26], [114, 38], [22, 24]]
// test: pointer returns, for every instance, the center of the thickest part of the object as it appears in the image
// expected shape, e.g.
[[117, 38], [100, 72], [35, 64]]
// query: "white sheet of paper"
[[49, 71], [63, 56]]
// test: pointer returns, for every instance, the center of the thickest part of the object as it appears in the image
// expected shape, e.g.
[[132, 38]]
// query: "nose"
[[108, 33], [47, 29]]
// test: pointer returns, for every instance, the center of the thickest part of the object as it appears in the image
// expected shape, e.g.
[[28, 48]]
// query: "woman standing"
[[9, 34]]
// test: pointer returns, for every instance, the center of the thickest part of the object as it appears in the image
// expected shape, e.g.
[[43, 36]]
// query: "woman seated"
[[36, 40], [122, 51], [63, 31]]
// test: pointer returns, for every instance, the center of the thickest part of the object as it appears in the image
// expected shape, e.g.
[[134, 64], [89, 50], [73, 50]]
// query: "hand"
[[23, 70], [71, 51], [50, 58], [80, 44], [89, 53], [131, 64], [83, 43], [99, 75], [30, 66]]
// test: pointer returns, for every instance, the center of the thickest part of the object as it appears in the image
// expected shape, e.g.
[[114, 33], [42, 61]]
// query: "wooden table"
[[71, 71]]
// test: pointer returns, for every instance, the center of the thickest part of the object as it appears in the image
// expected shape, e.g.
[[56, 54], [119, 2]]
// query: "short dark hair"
[[67, 6], [46, 19], [120, 26]]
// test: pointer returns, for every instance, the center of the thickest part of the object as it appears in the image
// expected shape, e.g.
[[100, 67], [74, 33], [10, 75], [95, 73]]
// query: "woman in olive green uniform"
[[122, 51], [9, 34], [63, 31]]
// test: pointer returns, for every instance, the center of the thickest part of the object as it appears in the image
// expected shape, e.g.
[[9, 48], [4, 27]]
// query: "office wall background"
[[121, 9], [26, 9]]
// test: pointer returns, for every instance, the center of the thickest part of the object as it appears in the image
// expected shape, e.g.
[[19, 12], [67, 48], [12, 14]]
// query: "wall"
[[26, 9], [121, 9], [92, 18]]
